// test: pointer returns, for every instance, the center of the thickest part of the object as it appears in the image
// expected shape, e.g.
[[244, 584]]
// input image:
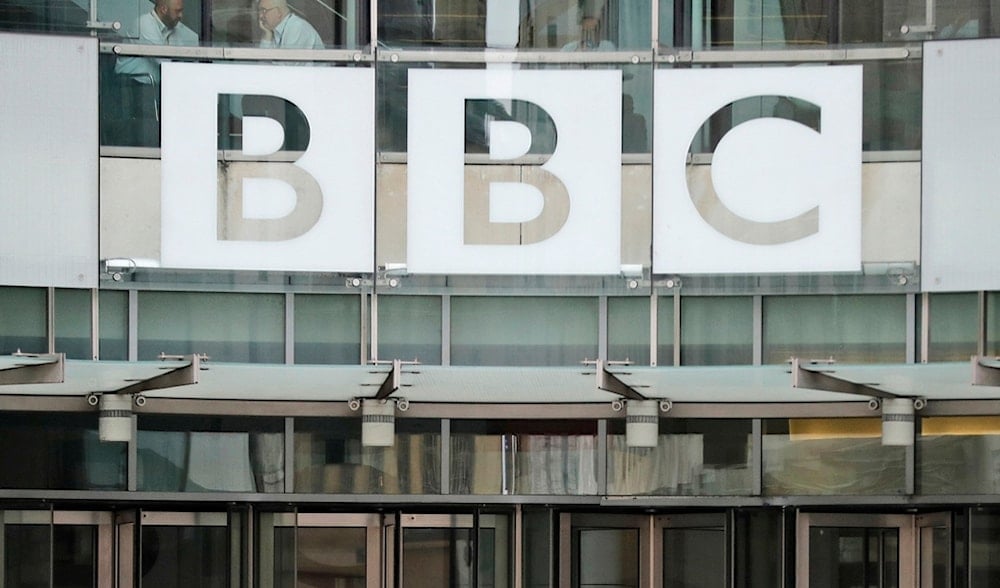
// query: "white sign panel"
[[48, 161], [784, 189], [560, 215], [961, 166], [315, 213]]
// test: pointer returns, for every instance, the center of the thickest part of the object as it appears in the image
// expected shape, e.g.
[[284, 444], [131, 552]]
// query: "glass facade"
[[508, 476]]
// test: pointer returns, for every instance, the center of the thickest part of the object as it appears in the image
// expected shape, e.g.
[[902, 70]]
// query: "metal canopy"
[[819, 375], [500, 385], [183, 375], [32, 368]]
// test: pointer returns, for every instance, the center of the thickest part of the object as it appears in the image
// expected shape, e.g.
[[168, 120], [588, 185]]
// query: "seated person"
[[160, 26], [284, 29], [590, 37]]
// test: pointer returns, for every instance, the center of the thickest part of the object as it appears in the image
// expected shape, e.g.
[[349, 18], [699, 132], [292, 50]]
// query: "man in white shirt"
[[160, 26], [282, 28]]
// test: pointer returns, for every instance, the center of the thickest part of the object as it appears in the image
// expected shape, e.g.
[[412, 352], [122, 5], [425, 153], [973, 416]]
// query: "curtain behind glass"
[[856, 329], [24, 329], [73, 323], [409, 327], [327, 329], [248, 328], [954, 326], [716, 330], [526, 331]]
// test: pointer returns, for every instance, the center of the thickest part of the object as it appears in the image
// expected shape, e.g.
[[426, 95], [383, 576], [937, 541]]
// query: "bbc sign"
[[783, 193]]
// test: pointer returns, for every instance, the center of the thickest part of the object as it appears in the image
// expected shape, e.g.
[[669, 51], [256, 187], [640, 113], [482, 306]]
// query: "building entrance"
[[39, 549], [873, 550], [659, 551]]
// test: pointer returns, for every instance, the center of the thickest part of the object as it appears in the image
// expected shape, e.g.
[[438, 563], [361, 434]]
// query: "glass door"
[[693, 550], [57, 549], [186, 549], [452, 551], [319, 549], [873, 551], [604, 551]]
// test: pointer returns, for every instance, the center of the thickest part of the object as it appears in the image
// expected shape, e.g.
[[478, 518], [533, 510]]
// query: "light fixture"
[[631, 270], [378, 422], [897, 422], [642, 423], [114, 417]]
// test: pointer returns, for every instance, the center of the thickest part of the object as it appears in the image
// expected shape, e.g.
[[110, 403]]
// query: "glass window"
[[113, 327], [409, 327], [73, 323], [24, 329], [830, 457], [298, 24], [992, 323], [40, 16], [958, 455], [247, 328], [716, 330], [524, 457], [665, 330], [954, 326], [693, 457], [183, 556], [851, 329], [211, 454], [567, 25], [891, 110], [523, 331], [984, 545], [58, 451], [327, 329], [330, 459], [628, 329]]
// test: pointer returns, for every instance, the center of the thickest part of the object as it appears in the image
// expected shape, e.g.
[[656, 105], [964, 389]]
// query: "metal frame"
[[905, 524], [568, 522], [49, 368]]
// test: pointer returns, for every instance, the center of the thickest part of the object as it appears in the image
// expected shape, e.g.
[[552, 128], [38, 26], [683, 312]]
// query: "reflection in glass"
[[857, 329], [523, 457], [665, 330], [693, 457], [324, 556], [694, 557], [182, 557], [39, 16], [23, 330], [958, 455], [716, 330], [830, 456], [211, 454], [605, 557], [841, 557], [446, 556], [329, 458], [58, 451], [247, 328]]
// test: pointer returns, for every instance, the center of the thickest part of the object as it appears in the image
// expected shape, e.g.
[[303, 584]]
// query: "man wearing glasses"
[[282, 28]]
